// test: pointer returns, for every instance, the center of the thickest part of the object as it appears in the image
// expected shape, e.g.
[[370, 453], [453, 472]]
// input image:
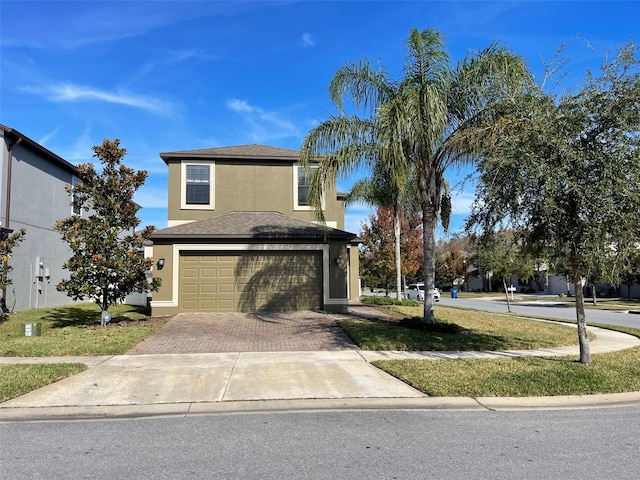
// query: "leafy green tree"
[[106, 265], [501, 254], [565, 171], [8, 241], [422, 120]]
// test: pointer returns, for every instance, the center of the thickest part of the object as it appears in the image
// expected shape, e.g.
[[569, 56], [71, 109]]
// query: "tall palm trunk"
[[429, 248]]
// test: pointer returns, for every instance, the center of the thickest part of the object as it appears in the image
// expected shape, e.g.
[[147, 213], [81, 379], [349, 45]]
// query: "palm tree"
[[432, 118], [398, 195]]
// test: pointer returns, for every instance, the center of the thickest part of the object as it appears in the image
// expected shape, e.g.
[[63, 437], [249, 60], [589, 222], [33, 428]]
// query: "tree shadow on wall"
[[279, 282]]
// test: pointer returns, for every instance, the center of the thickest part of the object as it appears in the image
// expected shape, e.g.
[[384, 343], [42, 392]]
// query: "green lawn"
[[75, 330], [456, 329], [16, 380], [520, 377]]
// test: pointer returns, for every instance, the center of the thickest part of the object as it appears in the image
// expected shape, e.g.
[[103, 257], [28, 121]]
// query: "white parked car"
[[415, 291]]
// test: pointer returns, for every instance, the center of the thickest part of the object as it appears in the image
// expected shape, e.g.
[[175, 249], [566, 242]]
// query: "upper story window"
[[76, 205], [197, 185], [301, 181]]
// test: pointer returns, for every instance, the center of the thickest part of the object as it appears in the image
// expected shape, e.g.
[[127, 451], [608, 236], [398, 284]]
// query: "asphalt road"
[[569, 444], [545, 308]]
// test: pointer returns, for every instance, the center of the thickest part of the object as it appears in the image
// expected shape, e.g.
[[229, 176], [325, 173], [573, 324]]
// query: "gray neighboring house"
[[33, 196]]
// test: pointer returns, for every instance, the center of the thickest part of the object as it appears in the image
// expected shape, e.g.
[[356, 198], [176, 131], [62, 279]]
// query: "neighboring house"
[[33, 196], [241, 236]]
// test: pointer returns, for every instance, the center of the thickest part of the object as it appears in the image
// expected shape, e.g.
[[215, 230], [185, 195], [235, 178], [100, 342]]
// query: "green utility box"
[[31, 329]]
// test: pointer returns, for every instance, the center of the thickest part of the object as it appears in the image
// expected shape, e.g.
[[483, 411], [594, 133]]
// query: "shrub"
[[376, 300], [417, 323], [410, 303]]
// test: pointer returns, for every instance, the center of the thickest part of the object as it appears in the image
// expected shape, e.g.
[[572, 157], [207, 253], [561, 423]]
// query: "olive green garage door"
[[249, 281]]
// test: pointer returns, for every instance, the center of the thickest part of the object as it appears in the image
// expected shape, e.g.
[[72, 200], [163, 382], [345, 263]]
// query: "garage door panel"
[[190, 289], [250, 281], [208, 288], [190, 305], [190, 273], [226, 273], [208, 305], [209, 272]]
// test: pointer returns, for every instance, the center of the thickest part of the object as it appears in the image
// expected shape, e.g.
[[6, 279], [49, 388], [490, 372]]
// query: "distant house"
[[33, 196], [242, 236]]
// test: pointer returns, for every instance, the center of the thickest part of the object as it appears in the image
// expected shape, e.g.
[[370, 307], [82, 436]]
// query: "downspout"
[[7, 216]]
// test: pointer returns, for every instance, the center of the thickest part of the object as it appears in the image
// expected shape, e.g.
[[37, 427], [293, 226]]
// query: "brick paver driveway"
[[246, 332]]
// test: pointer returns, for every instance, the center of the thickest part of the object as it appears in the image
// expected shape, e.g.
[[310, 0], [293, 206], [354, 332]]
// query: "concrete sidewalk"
[[189, 384]]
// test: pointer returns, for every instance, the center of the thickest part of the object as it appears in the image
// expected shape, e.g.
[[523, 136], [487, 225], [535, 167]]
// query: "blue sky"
[[165, 75]]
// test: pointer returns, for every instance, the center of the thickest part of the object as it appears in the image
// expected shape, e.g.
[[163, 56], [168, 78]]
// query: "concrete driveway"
[[246, 332]]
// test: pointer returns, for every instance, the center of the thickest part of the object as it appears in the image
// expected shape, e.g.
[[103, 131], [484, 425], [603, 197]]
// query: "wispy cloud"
[[43, 141], [263, 124], [461, 202], [67, 92], [307, 40], [80, 151], [87, 23]]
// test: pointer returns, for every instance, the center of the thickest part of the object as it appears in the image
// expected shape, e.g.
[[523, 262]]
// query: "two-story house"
[[242, 236], [33, 196]]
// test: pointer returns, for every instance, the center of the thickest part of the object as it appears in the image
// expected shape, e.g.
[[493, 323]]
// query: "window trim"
[[296, 205], [183, 185]]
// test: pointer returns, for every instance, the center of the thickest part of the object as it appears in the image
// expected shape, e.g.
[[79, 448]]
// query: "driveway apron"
[[246, 332]]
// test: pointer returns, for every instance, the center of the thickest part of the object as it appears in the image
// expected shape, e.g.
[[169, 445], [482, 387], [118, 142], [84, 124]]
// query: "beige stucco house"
[[241, 236]]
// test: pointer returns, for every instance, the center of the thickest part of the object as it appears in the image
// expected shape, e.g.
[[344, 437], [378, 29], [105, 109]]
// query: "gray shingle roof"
[[243, 152], [256, 225]]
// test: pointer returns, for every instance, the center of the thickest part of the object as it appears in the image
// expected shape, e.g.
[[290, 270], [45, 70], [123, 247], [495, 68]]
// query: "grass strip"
[[520, 377], [18, 379]]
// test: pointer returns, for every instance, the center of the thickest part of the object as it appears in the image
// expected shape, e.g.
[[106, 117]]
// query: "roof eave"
[[21, 137]]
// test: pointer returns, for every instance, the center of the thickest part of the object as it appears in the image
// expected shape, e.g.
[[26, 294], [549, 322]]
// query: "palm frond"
[[358, 83]]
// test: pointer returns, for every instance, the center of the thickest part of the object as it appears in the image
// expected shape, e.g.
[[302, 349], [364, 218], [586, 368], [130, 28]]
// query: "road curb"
[[483, 404]]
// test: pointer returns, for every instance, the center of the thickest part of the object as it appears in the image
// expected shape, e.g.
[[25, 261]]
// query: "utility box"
[[31, 329]]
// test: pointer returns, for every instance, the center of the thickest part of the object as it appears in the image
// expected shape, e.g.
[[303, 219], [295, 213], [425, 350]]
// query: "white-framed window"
[[76, 205], [301, 181], [197, 185]]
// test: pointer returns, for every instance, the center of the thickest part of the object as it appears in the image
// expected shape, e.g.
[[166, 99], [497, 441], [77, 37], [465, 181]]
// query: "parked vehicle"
[[415, 291]]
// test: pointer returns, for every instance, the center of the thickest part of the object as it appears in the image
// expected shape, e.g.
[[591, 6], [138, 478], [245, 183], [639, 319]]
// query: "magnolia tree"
[[7, 243], [107, 263]]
